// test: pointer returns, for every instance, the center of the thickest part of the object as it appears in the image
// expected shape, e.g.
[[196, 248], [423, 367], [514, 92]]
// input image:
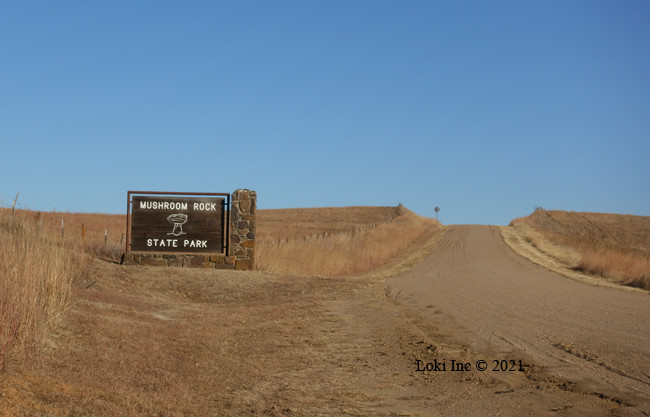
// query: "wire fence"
[[109, 242], [68, 229]]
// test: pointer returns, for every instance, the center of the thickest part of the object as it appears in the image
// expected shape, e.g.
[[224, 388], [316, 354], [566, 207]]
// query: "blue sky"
[[485, 109]]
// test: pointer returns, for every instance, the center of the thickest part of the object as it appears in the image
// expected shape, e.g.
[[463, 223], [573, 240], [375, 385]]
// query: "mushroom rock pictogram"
[[178, 220]]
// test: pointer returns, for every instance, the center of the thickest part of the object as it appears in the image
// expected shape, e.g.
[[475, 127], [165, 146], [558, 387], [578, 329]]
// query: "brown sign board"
[[180, 224]]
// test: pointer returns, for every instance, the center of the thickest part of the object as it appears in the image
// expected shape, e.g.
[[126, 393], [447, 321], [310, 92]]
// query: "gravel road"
[[595, 338]]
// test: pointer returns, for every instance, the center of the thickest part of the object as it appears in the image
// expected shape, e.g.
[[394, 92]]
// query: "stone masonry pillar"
[[242, 228]]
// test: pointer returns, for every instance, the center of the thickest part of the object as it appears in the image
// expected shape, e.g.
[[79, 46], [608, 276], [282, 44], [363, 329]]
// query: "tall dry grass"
[[613, 246], [37, 269], [104, 233], [341, 253]]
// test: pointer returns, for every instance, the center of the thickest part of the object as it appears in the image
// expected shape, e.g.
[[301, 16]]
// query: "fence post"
[[62, 230], [13, 206], [83, 233], [105, 237], [39, 224]]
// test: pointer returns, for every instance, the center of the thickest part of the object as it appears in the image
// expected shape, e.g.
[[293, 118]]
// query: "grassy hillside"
[[337, 241], [301, 222], [613, 246]]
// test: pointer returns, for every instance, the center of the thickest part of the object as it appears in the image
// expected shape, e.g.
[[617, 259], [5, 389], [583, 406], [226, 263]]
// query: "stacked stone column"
[[242, 228]]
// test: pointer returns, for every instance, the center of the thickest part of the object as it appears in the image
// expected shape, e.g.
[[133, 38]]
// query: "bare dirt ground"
[[174, 342]]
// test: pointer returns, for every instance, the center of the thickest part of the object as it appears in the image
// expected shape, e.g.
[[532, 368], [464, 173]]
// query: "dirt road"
[[595, 339]]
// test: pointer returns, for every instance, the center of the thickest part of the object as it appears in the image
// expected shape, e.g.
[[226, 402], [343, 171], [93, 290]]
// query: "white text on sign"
[[173, 243]]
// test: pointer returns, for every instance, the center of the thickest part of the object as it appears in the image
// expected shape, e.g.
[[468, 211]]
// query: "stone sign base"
[[186, 261]]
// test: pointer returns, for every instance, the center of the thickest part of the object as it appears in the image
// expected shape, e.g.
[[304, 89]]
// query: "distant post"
[[39, 224], [437, 209], [13, 206]]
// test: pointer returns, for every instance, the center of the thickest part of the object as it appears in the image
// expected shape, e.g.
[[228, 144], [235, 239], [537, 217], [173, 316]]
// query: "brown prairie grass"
[[613, 246], [358, 238], [331, 251], [104, 233], [148, 341], [40, 259], [170, 342], [36, 275], [300, 222]]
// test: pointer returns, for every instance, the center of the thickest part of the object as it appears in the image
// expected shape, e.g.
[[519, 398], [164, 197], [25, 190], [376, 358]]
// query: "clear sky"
[[486, 109]]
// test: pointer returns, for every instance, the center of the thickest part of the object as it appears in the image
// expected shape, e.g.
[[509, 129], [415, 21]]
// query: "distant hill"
[[299, 222], [335, 241]]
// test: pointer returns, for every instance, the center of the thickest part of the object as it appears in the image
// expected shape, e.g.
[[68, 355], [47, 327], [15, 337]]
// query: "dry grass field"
[[612, 246], [329, 241], [306, 335], [337, 241], [43, 253], [279, 224], [104, 233]]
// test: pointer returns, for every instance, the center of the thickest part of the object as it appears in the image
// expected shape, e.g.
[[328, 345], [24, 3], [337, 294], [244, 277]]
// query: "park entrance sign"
[[168, 222], [195, 230]]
